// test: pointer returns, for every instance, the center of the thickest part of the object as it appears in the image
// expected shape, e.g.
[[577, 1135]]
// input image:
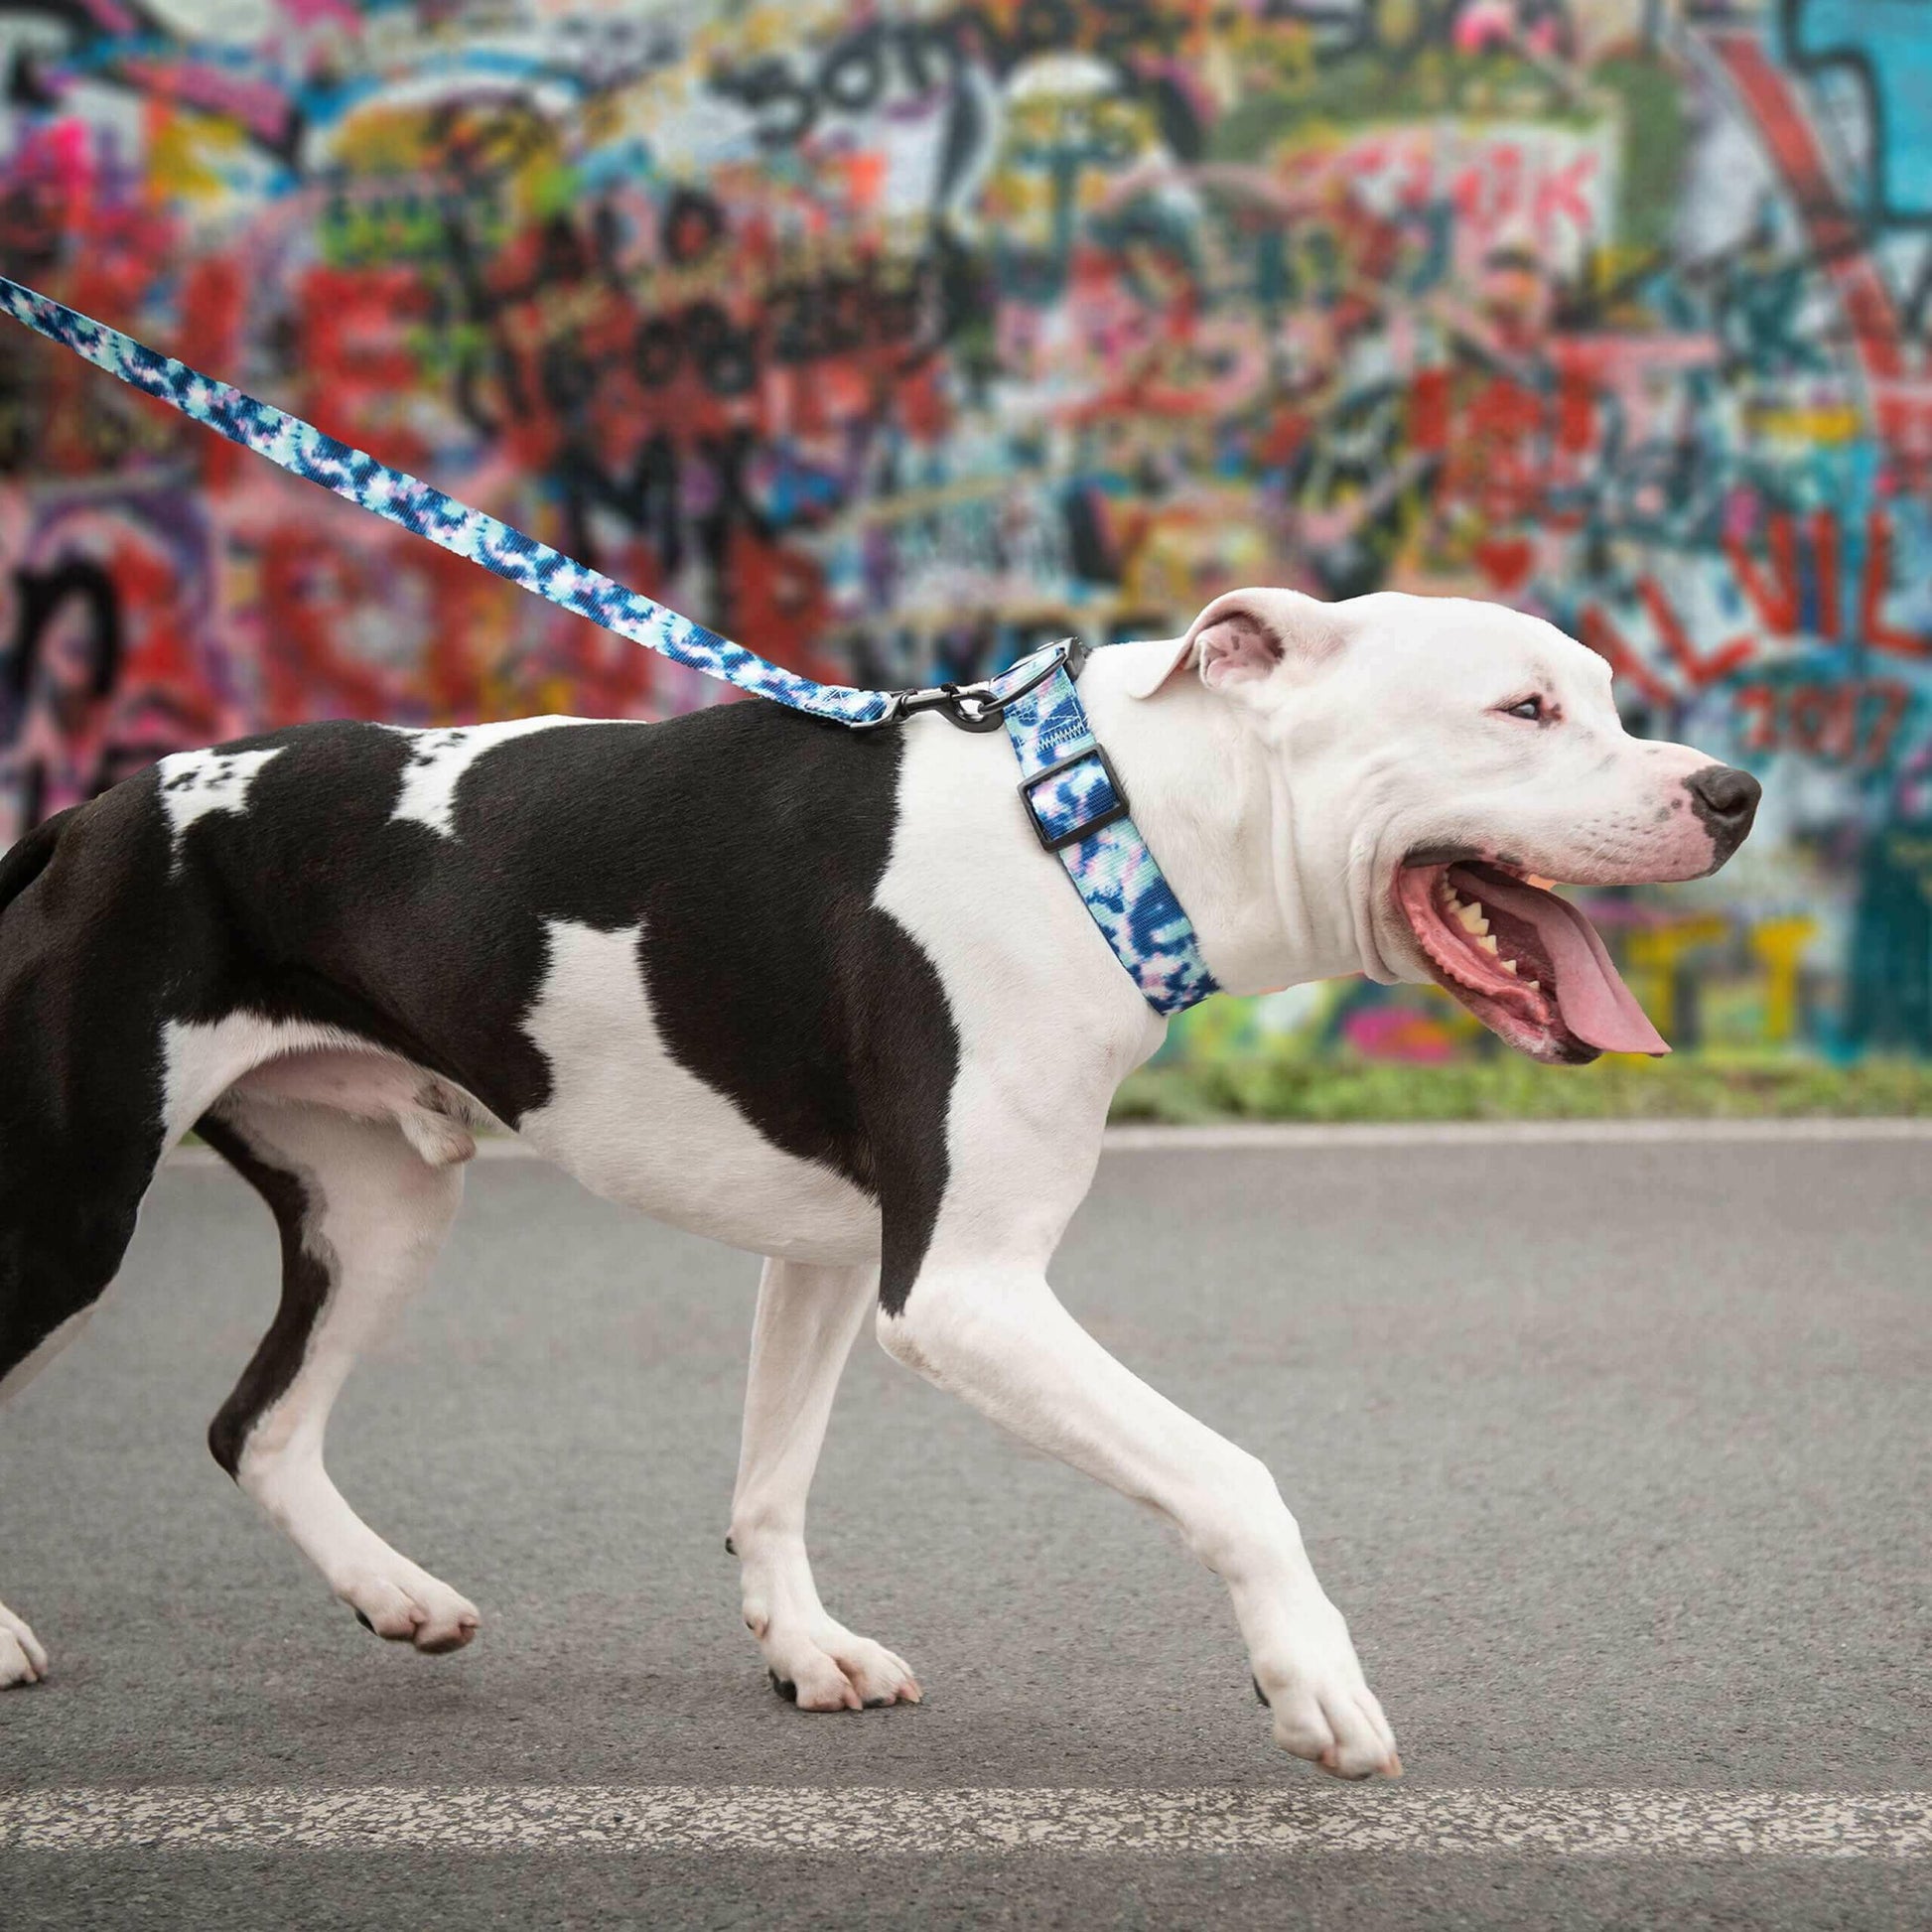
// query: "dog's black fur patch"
[[87, 948], [748, 839]]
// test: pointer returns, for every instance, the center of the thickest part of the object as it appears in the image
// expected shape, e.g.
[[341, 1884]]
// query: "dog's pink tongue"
[[1590, 994]]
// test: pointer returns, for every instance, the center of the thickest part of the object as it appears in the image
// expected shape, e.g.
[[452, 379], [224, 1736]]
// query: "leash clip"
[[980, 705]]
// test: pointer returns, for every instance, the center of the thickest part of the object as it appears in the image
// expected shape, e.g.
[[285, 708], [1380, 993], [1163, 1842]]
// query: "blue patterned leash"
[[1072, 797], [393, 494]]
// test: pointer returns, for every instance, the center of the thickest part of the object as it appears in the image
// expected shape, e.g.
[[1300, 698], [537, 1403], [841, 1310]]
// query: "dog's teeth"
[[1508, 965], [1473, 919], [1532, 984], [1487, 942]]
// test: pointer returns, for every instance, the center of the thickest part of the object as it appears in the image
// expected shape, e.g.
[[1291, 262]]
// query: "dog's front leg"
[[806, 1320], [997, 1336]]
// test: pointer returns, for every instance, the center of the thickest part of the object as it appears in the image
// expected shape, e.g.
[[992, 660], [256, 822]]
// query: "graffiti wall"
[[891, 340]]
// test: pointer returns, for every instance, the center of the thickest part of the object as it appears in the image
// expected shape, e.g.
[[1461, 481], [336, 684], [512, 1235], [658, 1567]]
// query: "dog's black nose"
[[1725, 799]]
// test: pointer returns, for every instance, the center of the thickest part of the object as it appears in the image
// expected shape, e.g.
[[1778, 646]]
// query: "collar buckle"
[[1058, 840]]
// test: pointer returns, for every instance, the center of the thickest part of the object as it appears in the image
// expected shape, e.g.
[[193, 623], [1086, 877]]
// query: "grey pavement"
[[1616, 1455]]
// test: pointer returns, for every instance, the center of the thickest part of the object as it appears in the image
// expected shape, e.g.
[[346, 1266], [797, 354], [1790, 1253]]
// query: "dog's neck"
[[1270, 887]]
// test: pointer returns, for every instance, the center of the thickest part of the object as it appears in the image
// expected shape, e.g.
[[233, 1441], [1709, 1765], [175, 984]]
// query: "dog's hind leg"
[[362, 1215], [66, 1214], [58, 1255], [806, 1321], [21, 1658]]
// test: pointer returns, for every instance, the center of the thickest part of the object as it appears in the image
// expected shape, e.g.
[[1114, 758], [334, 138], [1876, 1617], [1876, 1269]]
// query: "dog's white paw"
[[822, 1666], [22, 1659], [1323, 1709], [408, 1605]]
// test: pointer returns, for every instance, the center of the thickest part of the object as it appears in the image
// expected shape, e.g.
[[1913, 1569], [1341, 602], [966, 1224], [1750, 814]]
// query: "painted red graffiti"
[[1844, 723], [1775, 589]]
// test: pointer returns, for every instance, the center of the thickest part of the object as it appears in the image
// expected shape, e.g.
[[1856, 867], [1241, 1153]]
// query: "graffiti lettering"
[[894, 340], [1846, 724]]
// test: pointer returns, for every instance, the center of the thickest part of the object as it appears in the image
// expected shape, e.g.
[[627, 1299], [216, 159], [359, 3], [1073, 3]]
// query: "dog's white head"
[[1446, 751]]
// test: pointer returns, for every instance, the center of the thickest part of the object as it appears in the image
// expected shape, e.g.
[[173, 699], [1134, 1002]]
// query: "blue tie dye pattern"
[[305, 451], [1115, 875], [1112, 868]]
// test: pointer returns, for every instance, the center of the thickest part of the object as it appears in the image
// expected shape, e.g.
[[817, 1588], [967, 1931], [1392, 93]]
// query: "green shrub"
[[1294, 1085]]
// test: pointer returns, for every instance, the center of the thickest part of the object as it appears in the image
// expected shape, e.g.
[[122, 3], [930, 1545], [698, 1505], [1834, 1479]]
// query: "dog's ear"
[[1242, 637]]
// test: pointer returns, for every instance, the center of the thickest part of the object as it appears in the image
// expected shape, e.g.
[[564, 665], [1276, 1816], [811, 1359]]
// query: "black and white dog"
[[816, 993]]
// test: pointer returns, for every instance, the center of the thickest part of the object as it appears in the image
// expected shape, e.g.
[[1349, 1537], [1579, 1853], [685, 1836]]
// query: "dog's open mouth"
[[1528, 964]]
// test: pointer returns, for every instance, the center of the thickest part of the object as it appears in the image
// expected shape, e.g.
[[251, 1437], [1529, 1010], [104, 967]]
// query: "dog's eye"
[[1530, 708]]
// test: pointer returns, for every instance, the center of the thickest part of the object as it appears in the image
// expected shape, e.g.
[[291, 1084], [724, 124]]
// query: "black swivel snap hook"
[[980, 705]]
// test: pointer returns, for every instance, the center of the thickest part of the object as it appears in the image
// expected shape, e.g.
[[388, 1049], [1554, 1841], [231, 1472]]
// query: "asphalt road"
[[1616, 1455]]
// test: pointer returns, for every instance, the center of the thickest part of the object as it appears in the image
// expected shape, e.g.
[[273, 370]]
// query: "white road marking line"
[[1262, 1137], [780, 1819]]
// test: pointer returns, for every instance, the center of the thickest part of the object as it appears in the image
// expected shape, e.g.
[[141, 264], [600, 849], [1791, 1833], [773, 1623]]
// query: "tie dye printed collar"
[[1072, 794], [1078, 808]]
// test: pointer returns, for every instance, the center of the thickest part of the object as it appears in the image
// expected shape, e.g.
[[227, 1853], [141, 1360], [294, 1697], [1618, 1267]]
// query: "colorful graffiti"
[[893, 338]]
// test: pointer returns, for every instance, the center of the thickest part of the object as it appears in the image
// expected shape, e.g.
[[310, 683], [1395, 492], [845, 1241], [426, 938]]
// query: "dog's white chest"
[[635, 1127]]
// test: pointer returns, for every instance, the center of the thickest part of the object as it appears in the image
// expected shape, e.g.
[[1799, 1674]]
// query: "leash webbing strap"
[[305, 451], [1074, 800]]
